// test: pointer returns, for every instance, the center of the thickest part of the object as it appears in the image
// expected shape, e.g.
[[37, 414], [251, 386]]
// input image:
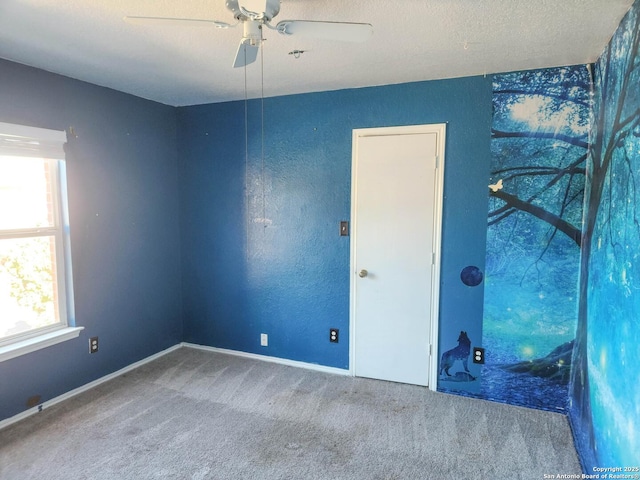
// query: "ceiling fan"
[[254, 14]]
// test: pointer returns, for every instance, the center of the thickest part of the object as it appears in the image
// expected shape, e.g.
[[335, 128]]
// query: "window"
[[36, 298]]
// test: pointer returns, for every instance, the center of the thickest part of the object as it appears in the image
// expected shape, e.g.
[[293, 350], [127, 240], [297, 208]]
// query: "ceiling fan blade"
[[246, 54], [175, 22], [342, 31]]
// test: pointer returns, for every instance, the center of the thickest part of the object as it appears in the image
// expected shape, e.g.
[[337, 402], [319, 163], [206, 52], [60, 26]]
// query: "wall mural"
[[539, 150], [605, 382]]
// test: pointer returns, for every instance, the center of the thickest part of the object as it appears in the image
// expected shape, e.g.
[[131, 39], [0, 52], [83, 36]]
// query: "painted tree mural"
[[539, 152], [605, 385]]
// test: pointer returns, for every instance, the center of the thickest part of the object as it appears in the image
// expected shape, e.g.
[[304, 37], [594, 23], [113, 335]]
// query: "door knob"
[[363, 273]]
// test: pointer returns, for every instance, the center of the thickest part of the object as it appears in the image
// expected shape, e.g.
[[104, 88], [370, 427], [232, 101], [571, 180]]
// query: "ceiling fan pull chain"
[[264, 203], [246, 161]]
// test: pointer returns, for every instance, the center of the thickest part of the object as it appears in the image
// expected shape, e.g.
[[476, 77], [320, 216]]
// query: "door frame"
[[440, 130]]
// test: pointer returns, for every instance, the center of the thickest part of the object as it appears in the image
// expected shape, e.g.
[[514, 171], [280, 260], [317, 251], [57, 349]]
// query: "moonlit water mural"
[[539, 149]]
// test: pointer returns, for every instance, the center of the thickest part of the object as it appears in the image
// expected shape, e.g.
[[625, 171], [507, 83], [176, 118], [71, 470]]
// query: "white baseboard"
[[49, 403], [266, 358]]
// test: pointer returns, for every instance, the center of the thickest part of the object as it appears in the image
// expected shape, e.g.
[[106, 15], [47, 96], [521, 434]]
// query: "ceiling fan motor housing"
[[263, 10]]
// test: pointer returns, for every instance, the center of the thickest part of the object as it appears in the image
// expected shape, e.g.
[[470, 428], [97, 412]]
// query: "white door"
[[395, 251]]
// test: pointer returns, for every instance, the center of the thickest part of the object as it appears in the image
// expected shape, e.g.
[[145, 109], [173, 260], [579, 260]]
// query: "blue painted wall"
[[123, 194], [265, 256]]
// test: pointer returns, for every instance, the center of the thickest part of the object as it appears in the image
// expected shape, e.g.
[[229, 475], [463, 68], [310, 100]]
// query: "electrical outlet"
[[93, 344], [264, 340], [333, 335], [478, 355]]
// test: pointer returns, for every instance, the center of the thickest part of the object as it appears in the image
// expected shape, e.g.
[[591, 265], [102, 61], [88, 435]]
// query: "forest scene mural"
[[539, 143], [605, 385]]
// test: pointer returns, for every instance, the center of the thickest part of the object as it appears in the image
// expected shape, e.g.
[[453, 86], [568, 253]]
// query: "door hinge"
[[430, 349], [437, 161], [433, 258]]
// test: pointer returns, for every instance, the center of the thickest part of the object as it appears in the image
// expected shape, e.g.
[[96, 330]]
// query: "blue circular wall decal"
[[471, 276]]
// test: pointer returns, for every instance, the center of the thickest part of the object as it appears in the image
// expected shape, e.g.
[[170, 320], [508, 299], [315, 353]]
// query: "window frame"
[[33, 142]]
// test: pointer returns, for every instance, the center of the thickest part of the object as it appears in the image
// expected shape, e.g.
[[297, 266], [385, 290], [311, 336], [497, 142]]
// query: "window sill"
[[36, 343]]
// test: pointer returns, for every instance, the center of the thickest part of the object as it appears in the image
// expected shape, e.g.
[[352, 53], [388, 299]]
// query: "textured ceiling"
[[413, 40]]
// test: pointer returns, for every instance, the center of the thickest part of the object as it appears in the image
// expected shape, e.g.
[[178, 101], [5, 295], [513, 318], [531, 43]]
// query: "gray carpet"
[[197, 415]]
